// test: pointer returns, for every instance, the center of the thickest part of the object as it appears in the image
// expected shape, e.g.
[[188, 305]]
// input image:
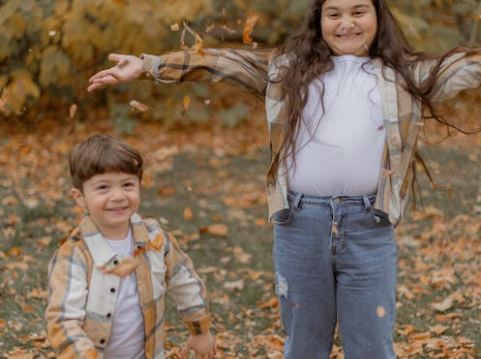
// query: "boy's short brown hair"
[[100, 154]]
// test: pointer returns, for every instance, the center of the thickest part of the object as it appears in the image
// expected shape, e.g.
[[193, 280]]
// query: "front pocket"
[[380, 218], [283, 216]]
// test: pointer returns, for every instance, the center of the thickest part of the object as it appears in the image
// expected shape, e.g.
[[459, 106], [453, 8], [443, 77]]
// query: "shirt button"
[[116, 262], [109, 315], [112, 290], [102, 341]]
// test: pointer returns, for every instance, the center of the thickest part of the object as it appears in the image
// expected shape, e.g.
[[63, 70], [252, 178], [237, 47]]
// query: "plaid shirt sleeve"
[[247, 69], [186, 287], [65, 313], [458, 72]]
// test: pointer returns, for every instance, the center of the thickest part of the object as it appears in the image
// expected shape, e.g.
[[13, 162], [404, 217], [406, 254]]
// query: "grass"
[[223, 188]]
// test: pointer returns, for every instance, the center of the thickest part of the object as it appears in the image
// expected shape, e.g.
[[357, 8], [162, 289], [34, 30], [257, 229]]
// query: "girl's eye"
[[333, 15]]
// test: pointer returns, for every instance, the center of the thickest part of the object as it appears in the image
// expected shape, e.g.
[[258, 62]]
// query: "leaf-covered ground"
[[207, 187]]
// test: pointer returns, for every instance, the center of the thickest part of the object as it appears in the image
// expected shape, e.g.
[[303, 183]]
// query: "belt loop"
[[367, 203], [296, 203]]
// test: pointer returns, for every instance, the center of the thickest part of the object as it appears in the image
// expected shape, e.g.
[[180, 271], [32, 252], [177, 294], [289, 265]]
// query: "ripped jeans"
[[335, 260]]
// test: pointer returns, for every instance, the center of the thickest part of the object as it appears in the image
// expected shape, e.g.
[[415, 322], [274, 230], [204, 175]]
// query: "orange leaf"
[[123, 269], [156, 243], [381, 312], [188, 214], [91, 354], [248, 28], [220, 230]]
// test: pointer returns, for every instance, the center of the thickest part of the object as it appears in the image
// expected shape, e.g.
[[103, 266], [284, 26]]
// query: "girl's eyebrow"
[[355, 7]]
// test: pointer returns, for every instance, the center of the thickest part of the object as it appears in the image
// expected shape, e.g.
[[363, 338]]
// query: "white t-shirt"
[[127, 337], [339, 149]]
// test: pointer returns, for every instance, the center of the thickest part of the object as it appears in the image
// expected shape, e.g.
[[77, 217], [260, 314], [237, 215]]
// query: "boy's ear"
[[78, 197]]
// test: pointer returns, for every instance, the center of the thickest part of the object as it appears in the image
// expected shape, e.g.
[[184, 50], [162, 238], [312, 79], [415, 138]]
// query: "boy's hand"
[[203, 345], [128, 68]]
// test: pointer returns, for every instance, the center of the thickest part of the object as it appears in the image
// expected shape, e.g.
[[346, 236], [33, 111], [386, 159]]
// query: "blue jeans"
[[335, 260]]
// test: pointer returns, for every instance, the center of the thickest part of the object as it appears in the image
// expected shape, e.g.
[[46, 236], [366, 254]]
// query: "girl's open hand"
[[203, 345], [128, 68]]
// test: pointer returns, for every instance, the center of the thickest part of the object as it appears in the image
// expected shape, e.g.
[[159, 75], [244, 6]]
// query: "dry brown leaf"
[[157, 243], [234, 285], [138, 106], [91, 354], [438, 329], [444, 305], [188, 214], [72, 110], [381, 312], [123, 269], [220, 230]]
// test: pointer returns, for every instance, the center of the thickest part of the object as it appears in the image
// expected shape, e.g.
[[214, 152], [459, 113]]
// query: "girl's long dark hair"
[[310, 57]]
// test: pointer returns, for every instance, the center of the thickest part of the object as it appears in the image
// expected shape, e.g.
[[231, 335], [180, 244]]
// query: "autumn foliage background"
[[206, 154]]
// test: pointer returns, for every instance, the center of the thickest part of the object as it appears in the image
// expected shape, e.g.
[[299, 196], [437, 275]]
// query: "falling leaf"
[[248, 28], [72, 110], [185, 104], [123, 269], [138, 106]]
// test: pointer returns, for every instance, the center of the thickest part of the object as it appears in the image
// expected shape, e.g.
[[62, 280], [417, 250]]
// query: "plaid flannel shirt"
[[258, 72], [81, 296]]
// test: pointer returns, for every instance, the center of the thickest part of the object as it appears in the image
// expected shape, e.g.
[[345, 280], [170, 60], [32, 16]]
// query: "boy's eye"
[[102, 187], [129, 184]]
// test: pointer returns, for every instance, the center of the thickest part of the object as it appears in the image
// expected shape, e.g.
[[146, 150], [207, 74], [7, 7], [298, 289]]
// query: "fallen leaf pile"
[[207, 189]]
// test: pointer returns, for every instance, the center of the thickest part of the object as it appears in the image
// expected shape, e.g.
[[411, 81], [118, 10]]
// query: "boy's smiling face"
[[111, 199]]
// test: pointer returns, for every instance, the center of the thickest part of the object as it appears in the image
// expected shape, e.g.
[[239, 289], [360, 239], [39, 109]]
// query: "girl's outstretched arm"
[[128, 68]]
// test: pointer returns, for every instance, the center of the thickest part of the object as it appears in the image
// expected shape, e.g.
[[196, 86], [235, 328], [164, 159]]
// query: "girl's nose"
[[347, 22]]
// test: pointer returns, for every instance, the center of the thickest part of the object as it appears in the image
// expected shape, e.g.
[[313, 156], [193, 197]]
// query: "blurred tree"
[[49, 48]]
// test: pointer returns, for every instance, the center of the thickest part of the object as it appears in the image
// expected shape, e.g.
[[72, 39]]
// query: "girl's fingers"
[[115, 57]]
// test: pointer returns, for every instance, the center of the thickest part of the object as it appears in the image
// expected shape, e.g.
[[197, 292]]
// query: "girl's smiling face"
[[349, 27]]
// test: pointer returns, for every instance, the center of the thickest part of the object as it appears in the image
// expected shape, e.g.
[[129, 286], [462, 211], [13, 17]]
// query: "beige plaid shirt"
[[257, 71], [82, 297]]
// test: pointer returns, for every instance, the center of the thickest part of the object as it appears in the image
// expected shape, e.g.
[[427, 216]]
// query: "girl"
[[345, 100]]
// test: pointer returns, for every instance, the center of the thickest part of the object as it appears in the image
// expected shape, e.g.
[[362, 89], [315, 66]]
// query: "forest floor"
[[207, 187]]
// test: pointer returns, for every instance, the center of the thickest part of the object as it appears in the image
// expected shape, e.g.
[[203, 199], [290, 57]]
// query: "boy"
[[108, 279]]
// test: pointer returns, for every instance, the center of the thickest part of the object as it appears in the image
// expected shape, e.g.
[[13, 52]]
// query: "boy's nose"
[[118, 194]]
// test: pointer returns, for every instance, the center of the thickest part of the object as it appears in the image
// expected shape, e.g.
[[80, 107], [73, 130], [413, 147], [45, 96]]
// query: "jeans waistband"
[[296, 198]]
